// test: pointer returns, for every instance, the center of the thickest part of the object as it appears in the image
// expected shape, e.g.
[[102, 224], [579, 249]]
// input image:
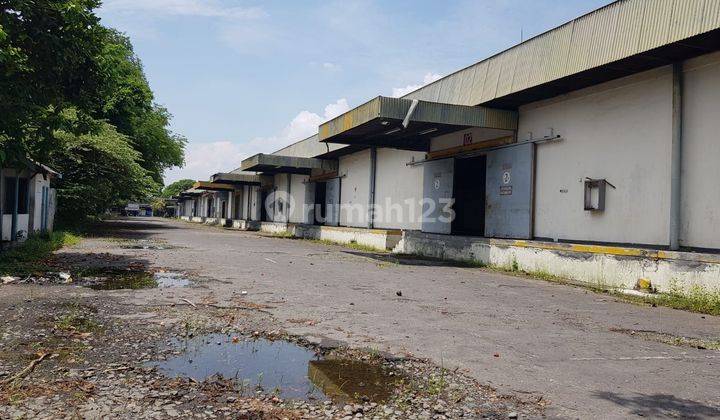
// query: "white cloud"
[[339, 107], [402, 91], [201, 8], [331, 66], [204, 159], [304, 125]]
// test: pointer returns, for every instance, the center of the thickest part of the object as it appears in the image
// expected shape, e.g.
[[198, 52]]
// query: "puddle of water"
[[134, 280], [352, 380], [170, 279], [290, 370], [121, 280]]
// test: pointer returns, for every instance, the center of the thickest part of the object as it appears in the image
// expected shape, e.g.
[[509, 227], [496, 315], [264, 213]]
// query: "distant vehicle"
[[137, 209]]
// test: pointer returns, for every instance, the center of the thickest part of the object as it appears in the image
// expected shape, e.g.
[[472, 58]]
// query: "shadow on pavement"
[[129, 228], [661, 405]]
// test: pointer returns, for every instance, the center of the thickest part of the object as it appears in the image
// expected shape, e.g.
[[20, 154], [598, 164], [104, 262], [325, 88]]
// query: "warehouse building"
[[588, 152]]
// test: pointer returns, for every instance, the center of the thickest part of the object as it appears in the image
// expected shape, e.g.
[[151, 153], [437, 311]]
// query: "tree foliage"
[[127, 103], [98, 169], [48, 62], [73, 94], [177, 187]]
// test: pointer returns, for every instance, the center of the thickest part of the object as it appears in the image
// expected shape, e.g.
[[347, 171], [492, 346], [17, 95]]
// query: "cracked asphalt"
[[536, 340]]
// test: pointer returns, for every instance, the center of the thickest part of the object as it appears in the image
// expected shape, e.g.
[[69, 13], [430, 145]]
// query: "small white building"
[[27, 201]]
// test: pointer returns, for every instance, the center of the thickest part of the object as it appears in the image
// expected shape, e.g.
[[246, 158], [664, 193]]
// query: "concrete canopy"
[[278, 164], [213, 186], [192, 192], [232, 178], [407, 124]]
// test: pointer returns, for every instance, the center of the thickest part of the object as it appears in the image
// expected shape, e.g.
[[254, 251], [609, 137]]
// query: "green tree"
[[73, 94], [99, 170], [127, 103], [48, 63], [177, 187]]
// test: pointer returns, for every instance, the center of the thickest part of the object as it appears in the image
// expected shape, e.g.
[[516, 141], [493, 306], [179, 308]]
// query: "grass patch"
[[27, 257], [351, 245], [282, 235], [76, 319], [697, 299]]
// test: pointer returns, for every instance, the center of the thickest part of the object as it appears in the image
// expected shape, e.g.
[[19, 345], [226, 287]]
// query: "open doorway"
[[469, 194], [264, 216], [320, 206]]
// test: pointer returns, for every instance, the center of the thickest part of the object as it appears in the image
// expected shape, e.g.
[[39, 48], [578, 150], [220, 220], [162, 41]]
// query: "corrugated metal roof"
[[617, 31], [309, 147]]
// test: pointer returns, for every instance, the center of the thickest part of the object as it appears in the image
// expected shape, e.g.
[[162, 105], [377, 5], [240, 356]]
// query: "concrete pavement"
[[535, 339]]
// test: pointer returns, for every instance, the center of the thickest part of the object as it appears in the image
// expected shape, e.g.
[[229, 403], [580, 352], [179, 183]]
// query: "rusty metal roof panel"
[[352, 118], [619, 30], [383, 114]]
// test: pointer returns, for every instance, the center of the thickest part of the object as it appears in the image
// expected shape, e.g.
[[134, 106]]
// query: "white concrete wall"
[[255, 203], [299, 191], [239, 203], [700, 211], [676, 271], [354, 170], [22, 226], [36, 201], [621, 131], [279, 213], [398, 187]]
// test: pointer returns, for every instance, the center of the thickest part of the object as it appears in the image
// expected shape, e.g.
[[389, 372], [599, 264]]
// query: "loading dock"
[[292, 197], [469, 196]]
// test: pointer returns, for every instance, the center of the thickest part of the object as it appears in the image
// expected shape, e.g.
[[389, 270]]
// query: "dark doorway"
[[223, 210], [22, 195], [263, 207], [320, 203], [469, 194]]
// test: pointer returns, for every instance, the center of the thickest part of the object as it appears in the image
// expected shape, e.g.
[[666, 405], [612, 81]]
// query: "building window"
[[9, 203]]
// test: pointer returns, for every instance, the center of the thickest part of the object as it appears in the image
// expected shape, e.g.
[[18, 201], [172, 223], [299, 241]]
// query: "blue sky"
[[243, 77]]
